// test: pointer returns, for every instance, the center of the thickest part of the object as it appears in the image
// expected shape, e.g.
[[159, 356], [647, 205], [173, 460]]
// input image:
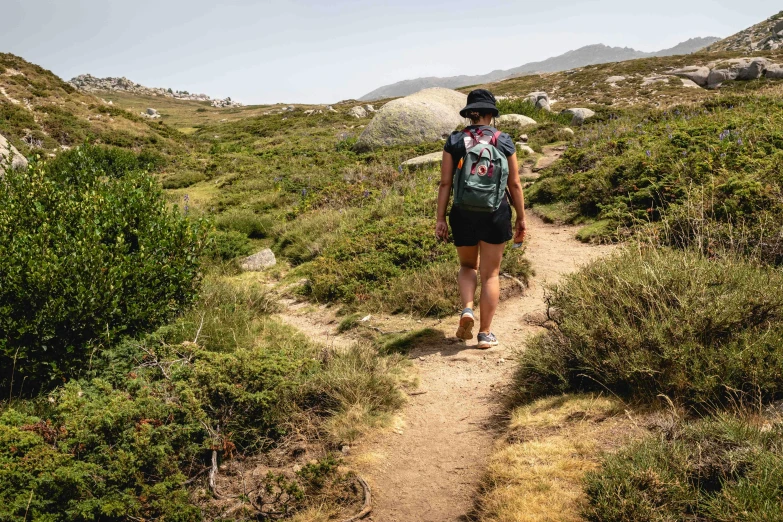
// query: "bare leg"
[[491, 256], [468, 260]]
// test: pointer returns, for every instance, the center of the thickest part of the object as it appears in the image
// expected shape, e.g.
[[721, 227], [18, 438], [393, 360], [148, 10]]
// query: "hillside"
[[588, 55], [40, 113], [765, 36]]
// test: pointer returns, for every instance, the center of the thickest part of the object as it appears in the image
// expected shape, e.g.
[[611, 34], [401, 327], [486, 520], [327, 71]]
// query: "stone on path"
[[259, 261]]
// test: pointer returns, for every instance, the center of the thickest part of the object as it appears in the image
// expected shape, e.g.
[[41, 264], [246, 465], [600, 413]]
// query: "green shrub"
[[225, 246], [101, 454], [701, 331], [246, 221], [89, 252], [183, 179], [724, 469], [354, 266], [720, 158]]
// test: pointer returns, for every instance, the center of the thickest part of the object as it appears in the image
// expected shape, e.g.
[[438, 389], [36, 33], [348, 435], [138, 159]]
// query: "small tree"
[[89, 252]]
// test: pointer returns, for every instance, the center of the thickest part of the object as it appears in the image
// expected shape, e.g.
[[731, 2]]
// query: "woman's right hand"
[[442, 230]]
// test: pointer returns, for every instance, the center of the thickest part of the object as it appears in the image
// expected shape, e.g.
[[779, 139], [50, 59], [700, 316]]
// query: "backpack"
[[481, 176]]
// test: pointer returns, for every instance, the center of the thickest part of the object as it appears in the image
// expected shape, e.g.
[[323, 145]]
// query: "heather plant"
[[663, 322]]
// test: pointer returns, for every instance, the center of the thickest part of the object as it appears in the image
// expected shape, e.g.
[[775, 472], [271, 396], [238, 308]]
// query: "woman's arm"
[[517, 198], [444, 193]]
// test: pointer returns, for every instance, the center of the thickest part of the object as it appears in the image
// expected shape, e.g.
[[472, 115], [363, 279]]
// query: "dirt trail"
[[428, 468]]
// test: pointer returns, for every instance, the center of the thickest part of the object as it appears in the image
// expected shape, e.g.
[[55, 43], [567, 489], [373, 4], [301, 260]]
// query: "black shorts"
[[469, 227]]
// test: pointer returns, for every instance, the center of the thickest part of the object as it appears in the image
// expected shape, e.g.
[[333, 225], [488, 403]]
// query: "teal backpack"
[[481, 176]]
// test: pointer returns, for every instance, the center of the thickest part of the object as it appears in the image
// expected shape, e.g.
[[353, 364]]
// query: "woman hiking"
[[480, 164]]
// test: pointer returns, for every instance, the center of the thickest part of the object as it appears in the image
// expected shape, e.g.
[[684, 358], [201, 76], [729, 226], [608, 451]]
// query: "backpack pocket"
[[479, 197]]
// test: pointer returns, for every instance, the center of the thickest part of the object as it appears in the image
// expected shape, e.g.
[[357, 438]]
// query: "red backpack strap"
[[495, 137]]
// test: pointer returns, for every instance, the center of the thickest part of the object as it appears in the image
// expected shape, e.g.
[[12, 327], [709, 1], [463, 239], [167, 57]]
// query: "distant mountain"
[[589, 55], [766, 36]]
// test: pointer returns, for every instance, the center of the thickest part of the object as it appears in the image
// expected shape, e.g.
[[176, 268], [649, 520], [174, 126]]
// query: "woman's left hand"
[[520, 231]]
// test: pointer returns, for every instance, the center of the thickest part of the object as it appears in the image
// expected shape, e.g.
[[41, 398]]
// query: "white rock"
[[259, 261], [358, 112], [579, 115], [366, 318], [543, 105], [696, 73], [615, 79], [718, 76], [152, 112], [525, 148], [689, 83], [9, 153], [569, 130], [330, 108], [369, 108], [517, 119], [427, 160], [655, 79]]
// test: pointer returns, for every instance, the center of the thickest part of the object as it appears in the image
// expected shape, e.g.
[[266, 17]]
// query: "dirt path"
[[428, 468]]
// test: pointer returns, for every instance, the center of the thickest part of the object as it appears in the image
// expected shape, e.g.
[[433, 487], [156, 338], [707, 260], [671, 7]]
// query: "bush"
[[701, 331], [225, 246], [723, 469], [183, 179], [89, 252], [257, 226], [644, 165], [101, 454]]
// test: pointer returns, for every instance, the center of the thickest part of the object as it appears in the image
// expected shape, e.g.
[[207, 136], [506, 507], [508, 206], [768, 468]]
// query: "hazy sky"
[[325, 51]]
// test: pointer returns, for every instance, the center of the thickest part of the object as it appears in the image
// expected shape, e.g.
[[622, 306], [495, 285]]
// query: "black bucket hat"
[[480, 100]]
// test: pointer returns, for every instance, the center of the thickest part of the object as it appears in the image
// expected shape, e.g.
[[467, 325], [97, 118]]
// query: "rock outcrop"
[[765, 36], [715, 74], [425, 116], [9, 155], [89, 83]]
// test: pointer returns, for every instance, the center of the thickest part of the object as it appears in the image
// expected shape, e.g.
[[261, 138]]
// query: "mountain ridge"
[[588, 55]]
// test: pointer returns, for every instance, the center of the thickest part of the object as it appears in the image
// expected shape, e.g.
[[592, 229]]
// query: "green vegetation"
[[724, 469], [89, 252], [700, 331], [708, 172]]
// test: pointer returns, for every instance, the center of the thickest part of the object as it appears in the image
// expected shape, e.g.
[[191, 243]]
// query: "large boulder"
[[428, 115], [535, 97], [10, 155], [579, 115], [697, 74], [516, 119]]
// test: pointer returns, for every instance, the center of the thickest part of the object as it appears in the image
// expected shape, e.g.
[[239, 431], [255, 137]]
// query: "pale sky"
[[309, 51]]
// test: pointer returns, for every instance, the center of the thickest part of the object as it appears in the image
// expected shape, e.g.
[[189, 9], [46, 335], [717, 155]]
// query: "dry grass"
[[536, 474]]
